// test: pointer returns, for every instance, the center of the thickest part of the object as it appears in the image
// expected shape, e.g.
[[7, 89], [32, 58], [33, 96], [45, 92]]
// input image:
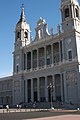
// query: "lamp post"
[[51, 87]]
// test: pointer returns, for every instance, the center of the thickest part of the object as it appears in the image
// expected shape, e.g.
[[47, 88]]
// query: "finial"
[[51, 31], [22, 6], [58, 29]]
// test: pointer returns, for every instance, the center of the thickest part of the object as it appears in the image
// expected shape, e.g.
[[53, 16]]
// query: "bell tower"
[[22, 32], [70, 11], [22, 39]]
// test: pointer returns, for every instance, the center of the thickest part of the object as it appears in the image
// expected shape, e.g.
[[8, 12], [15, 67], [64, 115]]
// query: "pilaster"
[[61, 87], [38, 89], [59, 52], [37, 58], [32, 90], [52, 53], [26, 92], [46, 90], [63, 57], [53, 82], [31, 60], [65, 87], [45, 55], [26, 61], [13, 92]]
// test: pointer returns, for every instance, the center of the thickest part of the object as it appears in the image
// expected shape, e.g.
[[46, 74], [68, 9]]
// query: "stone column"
[[32, 98], [53, 81], [65, 87], [37, 58], [45, 55], [46, 90], [14, 65], [61, 87], [31, 60], [21, 62], [26, 61], [63, 57], [26, 92], [59, 52], [72, 11], [13, 98], [20, 81], [38, 89], [52, 53]]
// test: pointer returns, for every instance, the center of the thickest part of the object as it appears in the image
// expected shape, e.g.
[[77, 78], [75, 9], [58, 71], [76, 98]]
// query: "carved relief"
[[69, 41], [17, 84], [71, 77]]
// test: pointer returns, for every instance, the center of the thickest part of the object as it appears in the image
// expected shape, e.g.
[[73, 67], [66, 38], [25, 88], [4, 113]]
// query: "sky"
[[10, 11]]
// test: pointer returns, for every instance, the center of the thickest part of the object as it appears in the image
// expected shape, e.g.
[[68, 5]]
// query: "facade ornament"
[[51, 31], [58, 29]]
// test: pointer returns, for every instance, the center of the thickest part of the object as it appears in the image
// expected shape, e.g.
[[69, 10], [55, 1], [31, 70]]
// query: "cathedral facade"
[[47, 67]]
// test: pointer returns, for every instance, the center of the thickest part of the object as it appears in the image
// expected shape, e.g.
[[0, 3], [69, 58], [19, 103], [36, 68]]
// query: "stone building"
[[6, 90], [51, 60]]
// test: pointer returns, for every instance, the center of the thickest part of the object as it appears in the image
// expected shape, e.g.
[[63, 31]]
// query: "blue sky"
[[9, 15]]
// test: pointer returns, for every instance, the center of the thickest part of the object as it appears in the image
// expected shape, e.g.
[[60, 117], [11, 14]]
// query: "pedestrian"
[[7, 107], [17, 107]]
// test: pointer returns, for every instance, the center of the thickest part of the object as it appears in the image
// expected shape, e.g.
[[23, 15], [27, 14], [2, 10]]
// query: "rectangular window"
[[28, 60], [48, 61], [70, 55]]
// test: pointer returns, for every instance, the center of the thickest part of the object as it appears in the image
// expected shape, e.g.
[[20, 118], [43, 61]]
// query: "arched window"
[[77, 15], [66, 12], [70, 55], [17, 68], [26, 35], [18, 34]]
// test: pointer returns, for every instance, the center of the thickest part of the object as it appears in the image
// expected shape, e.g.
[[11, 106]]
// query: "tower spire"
[[22, 18]]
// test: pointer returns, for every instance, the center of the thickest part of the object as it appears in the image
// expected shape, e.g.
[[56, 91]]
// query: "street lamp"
[[51, 87]]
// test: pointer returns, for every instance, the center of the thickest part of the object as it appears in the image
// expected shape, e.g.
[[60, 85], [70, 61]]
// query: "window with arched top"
[[70, 55], [77, 14], [17, 68], [26, 35], [66, 12], [18, 34]]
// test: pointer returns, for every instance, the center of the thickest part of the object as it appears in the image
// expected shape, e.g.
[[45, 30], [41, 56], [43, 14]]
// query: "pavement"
[[63, 117], [39, 114]]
